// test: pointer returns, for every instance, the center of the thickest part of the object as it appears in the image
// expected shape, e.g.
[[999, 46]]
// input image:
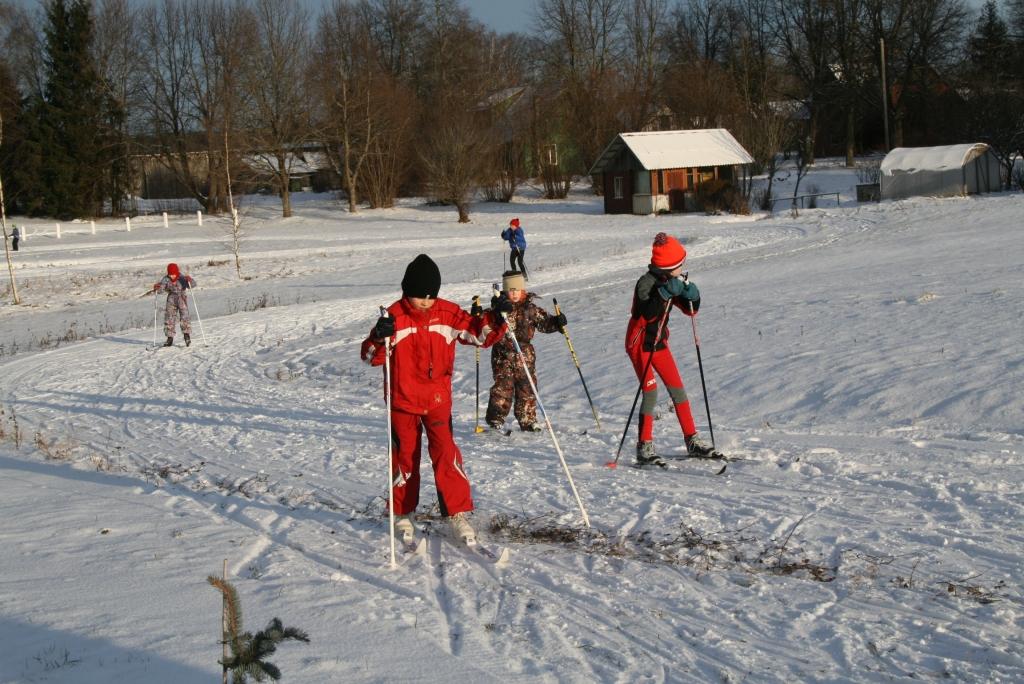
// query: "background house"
[[944, 171], [645, 173]]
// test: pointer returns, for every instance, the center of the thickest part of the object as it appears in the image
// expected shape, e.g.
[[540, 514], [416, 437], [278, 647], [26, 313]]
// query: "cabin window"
[[617, 183]]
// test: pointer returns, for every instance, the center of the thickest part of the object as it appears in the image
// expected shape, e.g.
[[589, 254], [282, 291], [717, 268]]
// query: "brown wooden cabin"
[[658, 171]]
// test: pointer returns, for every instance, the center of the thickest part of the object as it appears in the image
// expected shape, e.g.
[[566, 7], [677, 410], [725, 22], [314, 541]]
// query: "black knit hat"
[[422, 278]]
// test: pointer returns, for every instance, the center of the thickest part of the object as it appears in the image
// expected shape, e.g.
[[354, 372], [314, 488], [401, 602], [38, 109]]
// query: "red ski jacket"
[[423, 351]]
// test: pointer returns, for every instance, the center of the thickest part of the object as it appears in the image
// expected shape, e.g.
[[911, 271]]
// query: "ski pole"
[[700, 365], [579, 370], [199, 318], [533, 386], [391, 472], [156, 309], [476, 307], [640, 387]]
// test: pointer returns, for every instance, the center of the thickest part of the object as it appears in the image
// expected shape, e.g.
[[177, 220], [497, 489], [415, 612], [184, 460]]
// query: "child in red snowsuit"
[[423, 331], [656, 292]]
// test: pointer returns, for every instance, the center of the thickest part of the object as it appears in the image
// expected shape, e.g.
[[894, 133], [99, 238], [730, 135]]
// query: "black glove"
[[476, 310], [501, 303], [560, 320], [385, 327]]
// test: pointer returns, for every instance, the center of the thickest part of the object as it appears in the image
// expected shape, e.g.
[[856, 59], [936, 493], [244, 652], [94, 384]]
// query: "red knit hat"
[[514, 222], [667, 253], [172, 270]]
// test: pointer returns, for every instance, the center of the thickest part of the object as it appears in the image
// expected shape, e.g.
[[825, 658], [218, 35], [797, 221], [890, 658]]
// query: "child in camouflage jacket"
[[510, 381]]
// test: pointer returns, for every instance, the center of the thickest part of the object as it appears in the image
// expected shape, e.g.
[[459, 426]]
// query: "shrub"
[[710, 196]]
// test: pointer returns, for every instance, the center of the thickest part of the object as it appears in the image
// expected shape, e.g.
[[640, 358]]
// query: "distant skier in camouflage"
[[510, 382], [176, 285]]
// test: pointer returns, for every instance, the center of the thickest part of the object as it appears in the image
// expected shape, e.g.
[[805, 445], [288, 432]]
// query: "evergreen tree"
[[1015, 11], [70, 130], [988, 48]]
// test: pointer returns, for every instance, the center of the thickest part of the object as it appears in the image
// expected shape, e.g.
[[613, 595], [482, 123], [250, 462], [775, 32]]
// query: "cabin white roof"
[[942, 158], [677, 149]]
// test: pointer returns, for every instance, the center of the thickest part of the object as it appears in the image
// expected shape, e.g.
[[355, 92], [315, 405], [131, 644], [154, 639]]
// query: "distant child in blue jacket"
[[516, 238]]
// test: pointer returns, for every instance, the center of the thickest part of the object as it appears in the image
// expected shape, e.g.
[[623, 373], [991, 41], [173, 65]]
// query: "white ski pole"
[[551, 430], [156, 309], [387, 407], [198, 317]]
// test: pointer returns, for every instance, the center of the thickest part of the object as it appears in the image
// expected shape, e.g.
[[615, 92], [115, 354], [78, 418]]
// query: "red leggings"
[[665, 365], [449, 478]]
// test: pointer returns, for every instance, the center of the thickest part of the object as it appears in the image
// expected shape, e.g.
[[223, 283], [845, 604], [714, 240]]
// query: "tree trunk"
[[851, 125], [463, 208], [283, 181]]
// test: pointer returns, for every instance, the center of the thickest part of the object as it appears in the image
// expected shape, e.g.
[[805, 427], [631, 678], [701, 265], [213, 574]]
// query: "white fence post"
[[199, 218], [128, 223], [58, 230], [92, 227], [165, 219]]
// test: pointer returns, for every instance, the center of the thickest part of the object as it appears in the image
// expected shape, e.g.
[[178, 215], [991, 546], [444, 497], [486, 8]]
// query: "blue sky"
[[503, 15]]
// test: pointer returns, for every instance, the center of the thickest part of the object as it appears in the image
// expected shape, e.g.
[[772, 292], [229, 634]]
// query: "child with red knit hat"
[[656, 292], [176, 284], [423, 331]]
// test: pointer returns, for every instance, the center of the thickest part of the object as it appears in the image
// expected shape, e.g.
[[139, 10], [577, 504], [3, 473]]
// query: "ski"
[[664, 466], [714, 456], [413, 548], [497, 557]]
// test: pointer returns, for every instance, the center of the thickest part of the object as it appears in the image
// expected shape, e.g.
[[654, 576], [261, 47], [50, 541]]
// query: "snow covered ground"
[[864, 362]]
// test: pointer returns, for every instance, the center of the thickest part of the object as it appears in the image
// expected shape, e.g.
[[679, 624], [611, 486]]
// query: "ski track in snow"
[[869, 382]]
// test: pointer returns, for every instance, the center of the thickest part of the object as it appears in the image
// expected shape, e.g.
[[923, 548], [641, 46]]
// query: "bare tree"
[[276, 78], [119, 66], [454, 157], [172, 119], [803, 158], [645, 24], [346, 74], [697, 84], [583, 49], [3, 223], [396, 28], [920, 36], [806, 30]]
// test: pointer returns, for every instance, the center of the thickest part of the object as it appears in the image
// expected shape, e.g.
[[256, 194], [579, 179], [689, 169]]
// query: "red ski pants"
[[449, 477], [665, 365]]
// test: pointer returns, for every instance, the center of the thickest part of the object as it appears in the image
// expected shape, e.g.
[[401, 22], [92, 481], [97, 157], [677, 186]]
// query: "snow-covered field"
[[864, 362]]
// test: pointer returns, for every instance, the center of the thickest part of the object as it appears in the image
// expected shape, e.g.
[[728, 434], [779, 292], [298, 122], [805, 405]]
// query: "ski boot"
[[169, 342], [531, 427], [698, 448], [461, 529], [646, 456], [188, 340], [404, 528]]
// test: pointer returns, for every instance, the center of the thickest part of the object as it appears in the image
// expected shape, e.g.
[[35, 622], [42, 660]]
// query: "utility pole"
[[885, 96]]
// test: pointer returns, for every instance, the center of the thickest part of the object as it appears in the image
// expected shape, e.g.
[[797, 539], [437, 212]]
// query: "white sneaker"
[[404, 529], [461, 529]]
